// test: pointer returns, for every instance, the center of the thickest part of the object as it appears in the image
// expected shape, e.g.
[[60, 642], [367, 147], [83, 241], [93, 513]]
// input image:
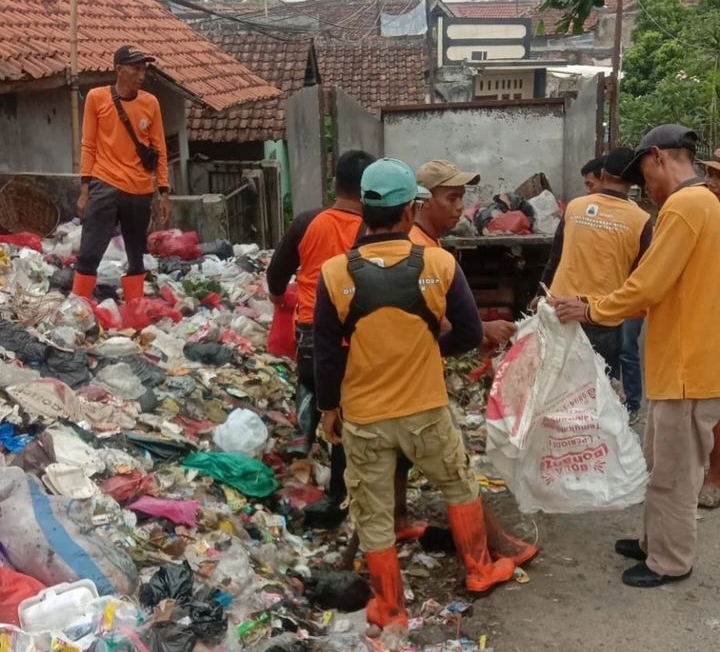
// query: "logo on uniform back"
[[592, 210]]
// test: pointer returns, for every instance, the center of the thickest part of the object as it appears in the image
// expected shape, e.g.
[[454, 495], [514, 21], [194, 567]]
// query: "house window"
[[517, 96], [481, 84], [505, 96], [479, 55], [521, 83]]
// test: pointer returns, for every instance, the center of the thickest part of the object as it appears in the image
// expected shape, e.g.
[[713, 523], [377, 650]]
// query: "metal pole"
[[615, 82], [431, 54], [74, 86]]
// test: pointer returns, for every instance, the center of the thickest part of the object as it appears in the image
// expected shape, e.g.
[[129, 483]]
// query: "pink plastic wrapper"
[[182, 512]]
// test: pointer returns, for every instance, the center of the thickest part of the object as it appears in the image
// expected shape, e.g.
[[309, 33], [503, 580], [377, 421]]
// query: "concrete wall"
[[583, 132], [353, 126], [306, 148], [35, 132], [505, 143]]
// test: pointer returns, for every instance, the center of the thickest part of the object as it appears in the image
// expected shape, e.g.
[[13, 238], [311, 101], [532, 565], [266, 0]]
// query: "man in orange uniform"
[[117, 186], [675, 282], [386, 298], [314, 237], [440, 214]]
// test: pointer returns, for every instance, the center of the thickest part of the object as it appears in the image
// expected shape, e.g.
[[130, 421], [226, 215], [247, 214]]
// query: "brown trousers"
[[678, 441], [430, 439]]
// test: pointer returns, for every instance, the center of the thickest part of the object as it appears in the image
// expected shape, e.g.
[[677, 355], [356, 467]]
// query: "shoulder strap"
[[124, 118]]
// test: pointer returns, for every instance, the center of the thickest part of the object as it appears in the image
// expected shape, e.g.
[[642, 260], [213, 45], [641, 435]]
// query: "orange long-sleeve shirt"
[[108, 152], [677, 281]]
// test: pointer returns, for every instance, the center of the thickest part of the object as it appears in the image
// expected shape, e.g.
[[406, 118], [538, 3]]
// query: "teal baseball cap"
[[390, 182]]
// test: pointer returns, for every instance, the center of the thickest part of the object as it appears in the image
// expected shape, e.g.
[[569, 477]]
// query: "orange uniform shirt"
[[601, 243], [394, 366], [420, 237], [330, 233], [676, 281], [108, 152]]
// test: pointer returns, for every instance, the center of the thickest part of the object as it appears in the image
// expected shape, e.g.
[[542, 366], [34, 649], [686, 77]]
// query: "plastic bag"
[[251, 477], [182, 512], [170, 581], [126, 487], [547, 213], [29, 240], [341, 590], [141, 313], [281, 338], [244, 432], [166, 244], [52, 538], [557, 432], [14, 588], [515, 222], [120, 381]]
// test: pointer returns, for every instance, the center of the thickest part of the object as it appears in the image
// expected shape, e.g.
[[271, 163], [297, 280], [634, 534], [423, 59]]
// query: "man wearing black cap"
[[601, 239], [676, 282], [124, 160]]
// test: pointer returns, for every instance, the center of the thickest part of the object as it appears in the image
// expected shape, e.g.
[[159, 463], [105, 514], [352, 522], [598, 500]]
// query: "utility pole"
[[430, 46], [74, 87], [615, 80]]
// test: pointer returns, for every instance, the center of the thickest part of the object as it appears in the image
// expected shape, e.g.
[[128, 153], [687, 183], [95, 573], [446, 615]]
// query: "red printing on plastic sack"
[[591, 460]]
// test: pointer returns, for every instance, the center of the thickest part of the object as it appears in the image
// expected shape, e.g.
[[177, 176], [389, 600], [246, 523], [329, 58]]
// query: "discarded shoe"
[[630, 548], [643, 577]]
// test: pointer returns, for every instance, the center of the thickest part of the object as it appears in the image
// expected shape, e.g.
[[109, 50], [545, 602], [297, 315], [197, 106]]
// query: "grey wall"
[[306, 148], [354, 127], [505, 144], [583, 133], [35, 132]]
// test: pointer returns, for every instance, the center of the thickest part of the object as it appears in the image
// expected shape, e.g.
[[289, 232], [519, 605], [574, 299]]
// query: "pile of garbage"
[[144, 500]]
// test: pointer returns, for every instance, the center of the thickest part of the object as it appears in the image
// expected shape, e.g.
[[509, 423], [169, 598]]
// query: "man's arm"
[[286, 259], [466, 332], [555, 254], [645, 240], [330, 354], [157, 139], [88, 151], [657, 272]]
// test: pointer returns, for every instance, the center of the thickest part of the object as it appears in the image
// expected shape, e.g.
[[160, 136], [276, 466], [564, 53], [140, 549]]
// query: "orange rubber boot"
[[84, 285], [387, 607], [502, 544], [468, 529], [133, 287]]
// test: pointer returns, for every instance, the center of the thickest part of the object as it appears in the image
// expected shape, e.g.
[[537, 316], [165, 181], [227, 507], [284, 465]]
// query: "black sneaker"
[[643, 577], [630, 548]]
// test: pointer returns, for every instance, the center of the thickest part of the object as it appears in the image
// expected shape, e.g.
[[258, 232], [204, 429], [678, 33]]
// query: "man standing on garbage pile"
[[598, 243], [591, 173], [440, 214], [123, 158], [709, 497], [675, 282], [386, 298]]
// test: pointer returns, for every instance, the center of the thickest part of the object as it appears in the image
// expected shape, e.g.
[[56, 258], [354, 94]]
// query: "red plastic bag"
[[14, 588], [125, 487], [281, 338], [141, 313], [515, 222], [29, 240], [166, 244], [168, 295]]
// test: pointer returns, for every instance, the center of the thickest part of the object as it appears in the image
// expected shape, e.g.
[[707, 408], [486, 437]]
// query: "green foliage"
[[575, 13], [672, 70]]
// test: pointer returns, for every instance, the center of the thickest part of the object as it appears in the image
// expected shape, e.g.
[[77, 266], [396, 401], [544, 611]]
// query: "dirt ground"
[[575, 601]]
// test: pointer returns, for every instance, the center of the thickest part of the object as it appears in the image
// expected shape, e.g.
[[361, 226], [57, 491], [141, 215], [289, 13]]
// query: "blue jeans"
[[630, 364]]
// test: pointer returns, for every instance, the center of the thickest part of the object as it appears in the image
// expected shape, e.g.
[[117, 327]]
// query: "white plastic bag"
[[547, 213], [244, 432], [557, 432]]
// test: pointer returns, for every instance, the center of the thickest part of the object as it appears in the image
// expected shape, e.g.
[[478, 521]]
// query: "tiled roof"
[[34, 44], [281, 62], [376, 73], [543, 22]]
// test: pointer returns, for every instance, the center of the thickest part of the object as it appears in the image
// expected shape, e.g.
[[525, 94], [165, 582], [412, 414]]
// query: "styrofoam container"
[[56, 606]]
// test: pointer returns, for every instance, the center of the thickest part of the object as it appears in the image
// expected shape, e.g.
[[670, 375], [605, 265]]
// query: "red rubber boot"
[[387, 607], [133, 287], [84, 285]]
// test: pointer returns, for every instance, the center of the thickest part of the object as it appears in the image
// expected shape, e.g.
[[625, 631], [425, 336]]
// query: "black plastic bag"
[[341, 590], [209, 353], [209, 621], [169, 637], [171, 581], [220, 248], [68, 367]]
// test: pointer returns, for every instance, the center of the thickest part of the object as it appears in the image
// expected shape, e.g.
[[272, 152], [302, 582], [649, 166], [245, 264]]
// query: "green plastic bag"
[[250, 477]]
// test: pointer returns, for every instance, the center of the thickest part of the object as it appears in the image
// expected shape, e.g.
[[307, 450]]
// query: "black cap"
[[128, 55], [617, 160], [662, 137]]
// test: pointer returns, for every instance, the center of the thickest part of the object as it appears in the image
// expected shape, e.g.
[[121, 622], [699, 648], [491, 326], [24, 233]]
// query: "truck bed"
[[534, 240]]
